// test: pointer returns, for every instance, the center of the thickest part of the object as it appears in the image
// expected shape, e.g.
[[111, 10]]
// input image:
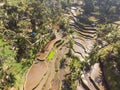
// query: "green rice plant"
[[51, 54]]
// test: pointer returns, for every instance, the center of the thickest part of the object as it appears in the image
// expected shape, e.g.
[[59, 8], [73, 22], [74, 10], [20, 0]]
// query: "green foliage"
[[105, 10], [112, 76], [104, 52], [5, 52], [18, 70], [108, 32], [64, 25], [83, 20], [76, 67], [51, 54], [26, 26], [108, 54], [88, 7], [26, 22], [11, 72], [111, 66], [108, 10]]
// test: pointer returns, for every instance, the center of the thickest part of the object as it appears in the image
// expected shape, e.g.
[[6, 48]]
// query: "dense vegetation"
[[106, 52], [27, 26]]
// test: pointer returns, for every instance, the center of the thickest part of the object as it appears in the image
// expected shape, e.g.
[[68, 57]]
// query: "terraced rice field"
[[49, 74]]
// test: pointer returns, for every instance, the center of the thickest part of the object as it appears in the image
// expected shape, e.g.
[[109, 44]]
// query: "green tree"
[[88, 7], [26, 22]]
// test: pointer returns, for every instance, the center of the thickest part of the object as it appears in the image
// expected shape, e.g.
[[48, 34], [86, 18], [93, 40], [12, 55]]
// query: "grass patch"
[[11, 67], [18, 70], [51, 54]]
